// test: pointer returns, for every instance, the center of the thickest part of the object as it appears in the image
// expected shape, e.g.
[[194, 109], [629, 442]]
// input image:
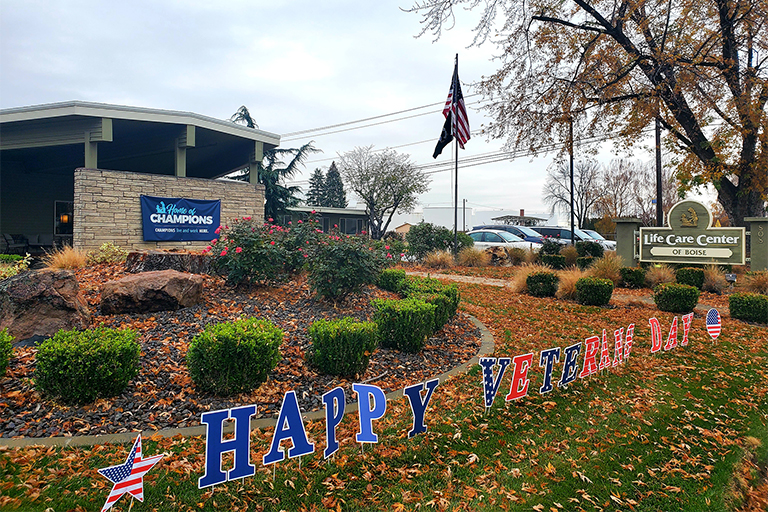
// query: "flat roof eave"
[[90, 109]]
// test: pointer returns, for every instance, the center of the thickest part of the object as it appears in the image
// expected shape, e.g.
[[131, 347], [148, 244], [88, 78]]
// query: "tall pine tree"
[[335, 196], [316, 193]]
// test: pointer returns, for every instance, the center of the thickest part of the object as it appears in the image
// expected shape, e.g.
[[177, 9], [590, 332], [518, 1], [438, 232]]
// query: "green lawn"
[[680, 430]]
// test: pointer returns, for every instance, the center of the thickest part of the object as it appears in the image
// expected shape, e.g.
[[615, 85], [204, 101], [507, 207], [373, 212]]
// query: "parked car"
[[562, 235], [608, 245], [523, 232], [486, 238]]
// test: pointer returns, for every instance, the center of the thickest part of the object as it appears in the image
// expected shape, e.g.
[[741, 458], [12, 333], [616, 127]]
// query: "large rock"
[[161, 290], [39, 303], [147, 261]]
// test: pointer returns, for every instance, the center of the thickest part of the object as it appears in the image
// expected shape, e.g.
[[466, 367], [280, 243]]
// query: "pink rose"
[[299, 222], [213, 242], [272, 242], [386, 247], [224, 252], [389, 255], [238, 250], [218, 230]]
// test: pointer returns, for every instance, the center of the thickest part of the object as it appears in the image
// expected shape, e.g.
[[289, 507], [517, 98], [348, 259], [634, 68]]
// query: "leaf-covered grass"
[[666, 431]]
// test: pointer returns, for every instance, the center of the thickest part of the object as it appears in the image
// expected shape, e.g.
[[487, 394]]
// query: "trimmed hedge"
[[676, 298], [594, 291], [80, 366], [427, 285], [404, 324], [632, 277], [234, 357], [556, 261], [391, 279], [752, 307], [542, 284], [6, 350], [584, 262], [593, 249], [342, 347], [443, 307], [691, 276]]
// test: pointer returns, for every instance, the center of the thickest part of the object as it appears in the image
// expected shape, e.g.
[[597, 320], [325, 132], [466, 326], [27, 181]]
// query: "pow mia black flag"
[[445, 137]]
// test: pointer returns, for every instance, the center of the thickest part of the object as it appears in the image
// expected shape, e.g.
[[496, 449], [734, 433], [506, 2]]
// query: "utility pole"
[[659, 206], [570, 150]]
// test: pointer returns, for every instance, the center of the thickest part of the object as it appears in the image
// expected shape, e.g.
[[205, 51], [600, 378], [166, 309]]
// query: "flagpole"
[[456, 169]]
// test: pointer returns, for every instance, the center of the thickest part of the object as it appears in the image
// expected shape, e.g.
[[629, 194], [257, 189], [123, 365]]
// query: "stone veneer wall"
[[108, 209]]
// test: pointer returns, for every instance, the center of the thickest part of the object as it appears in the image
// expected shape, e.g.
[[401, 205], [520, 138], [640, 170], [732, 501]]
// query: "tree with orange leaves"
[[615, 66]]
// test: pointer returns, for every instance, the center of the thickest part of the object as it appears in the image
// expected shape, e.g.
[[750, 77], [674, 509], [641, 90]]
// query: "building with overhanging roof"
[[50, 154]]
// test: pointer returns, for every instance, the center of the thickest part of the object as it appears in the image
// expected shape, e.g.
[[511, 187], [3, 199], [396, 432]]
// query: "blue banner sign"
[[177, 219]]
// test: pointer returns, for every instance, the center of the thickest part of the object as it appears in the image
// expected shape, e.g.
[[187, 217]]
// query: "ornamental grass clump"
[[404, 324], [570, 255], [67, 258], [566, 286], [751, 307], [692, 276], [520, 278], [6, 350], [714, 280], [594, 291], [80, 366], [542, 284], [438, 259], [659, 274], [343, 264], [474, 257], [342, 347], [756, 282], [676, 298], [234, 357], [607, 267]]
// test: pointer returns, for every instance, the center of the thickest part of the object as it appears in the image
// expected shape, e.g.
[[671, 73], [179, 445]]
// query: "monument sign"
[[690, 238]]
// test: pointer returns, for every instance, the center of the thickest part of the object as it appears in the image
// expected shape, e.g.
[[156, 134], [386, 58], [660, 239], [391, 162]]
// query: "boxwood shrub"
[[556, 261], [675, 297], [751, 307], [632, 277], [6, 350], [404, 324], [342, 347], [594, 291], [443, 307], [427, 285], [234, 357], [584, 262], [542, 284], [593, 249], [691, 276], [391, 279], [80, 366]]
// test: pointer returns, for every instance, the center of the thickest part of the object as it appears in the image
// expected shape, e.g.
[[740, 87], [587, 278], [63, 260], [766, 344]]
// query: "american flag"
[[455, 112], [128, 477], [713, 323]]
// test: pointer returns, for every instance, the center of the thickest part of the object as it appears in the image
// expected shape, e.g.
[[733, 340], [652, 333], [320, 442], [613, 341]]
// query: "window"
[[350, 226], [477, 237], [326, 224], [493, 237]]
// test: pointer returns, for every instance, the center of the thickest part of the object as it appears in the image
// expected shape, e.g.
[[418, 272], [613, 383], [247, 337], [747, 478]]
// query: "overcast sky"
[[296, 64]]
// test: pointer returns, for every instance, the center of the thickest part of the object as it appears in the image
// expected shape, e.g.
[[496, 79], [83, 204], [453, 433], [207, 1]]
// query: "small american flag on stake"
[[713, 323], [128, 477]]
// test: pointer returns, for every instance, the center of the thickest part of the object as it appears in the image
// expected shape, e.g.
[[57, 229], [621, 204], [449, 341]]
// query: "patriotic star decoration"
[[128, 477]]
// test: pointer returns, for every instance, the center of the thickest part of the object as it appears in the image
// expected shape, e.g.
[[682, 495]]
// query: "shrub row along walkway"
[[642, 296]]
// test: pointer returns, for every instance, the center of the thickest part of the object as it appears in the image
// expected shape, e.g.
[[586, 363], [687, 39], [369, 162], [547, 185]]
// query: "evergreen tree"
[[335, 196], [316, 193]]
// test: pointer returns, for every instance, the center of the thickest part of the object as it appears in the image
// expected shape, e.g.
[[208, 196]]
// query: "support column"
[[254, 161], [625, 239], [91, 152], [184, 141], [758, 241]]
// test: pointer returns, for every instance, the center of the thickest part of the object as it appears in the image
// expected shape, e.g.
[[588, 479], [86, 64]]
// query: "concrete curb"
[[486, 347]]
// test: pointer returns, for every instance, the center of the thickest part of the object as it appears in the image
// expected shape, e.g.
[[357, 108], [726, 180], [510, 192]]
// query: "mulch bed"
[[163, 395]]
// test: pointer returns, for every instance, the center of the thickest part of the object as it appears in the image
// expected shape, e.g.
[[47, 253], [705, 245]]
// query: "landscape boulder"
[[40, 303], [499, 255], [148, 261], [160, 290]]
